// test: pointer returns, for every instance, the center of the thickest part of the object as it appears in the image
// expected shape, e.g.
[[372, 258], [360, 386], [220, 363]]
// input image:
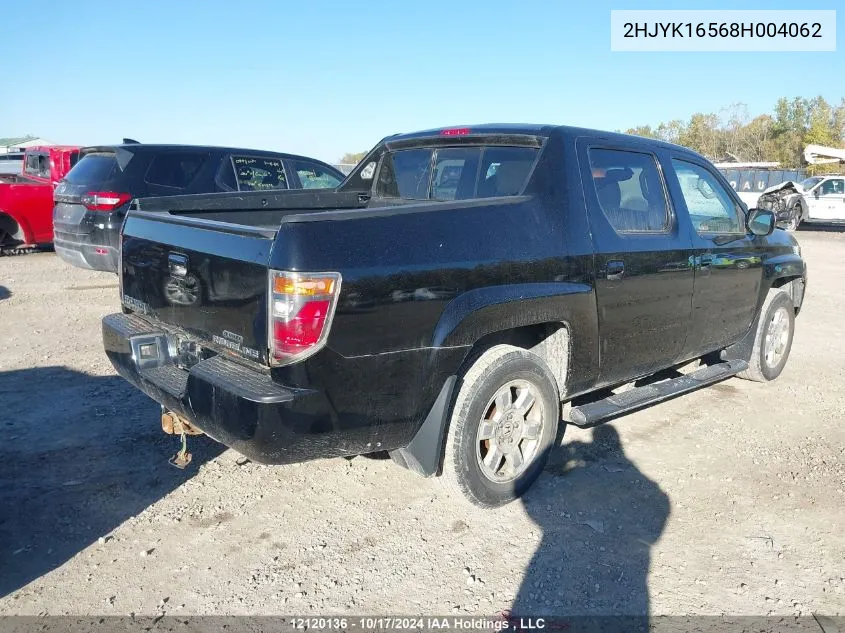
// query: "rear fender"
[[484, 311], [477, 313]]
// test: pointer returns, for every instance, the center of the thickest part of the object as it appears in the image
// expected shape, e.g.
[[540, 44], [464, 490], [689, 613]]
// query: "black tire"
[[773, 339], [10, 233], [502, 369]]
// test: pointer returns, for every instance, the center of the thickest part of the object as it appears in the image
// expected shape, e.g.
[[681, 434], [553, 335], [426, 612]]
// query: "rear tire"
[[502, 427], [10, 233], [773, 339]]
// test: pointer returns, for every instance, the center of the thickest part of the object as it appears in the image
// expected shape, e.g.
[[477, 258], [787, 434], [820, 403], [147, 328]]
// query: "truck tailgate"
[[205, 279]]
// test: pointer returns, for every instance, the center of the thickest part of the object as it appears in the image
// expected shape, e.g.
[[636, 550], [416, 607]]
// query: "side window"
[[174, 169], [226, 175], [255, 173], [711, 207], [630, 190], [455, 173], [832, 187], [314, 176]]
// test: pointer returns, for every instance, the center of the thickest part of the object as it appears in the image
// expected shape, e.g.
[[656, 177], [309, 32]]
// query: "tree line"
[[732, 134]]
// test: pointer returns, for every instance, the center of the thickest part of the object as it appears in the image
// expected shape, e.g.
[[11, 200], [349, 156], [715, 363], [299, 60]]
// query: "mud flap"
[[422, 454]]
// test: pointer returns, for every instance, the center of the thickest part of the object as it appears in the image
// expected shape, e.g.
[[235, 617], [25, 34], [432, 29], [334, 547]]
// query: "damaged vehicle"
[[814, 199], [460, 298]]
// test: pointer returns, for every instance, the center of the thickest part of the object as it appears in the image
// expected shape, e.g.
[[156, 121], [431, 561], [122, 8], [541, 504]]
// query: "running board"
[[594, 413]]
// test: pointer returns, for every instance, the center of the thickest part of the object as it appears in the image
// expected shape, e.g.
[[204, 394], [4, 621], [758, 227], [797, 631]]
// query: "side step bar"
[[606, 409]]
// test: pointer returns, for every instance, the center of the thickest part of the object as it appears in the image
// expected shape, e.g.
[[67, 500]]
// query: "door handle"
[[615, 269]]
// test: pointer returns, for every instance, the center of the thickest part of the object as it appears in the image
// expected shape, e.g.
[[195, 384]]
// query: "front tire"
[[795, 215], [773, 339], [503, 425]]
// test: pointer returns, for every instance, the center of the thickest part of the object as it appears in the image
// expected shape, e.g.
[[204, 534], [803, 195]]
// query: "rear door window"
[[455, 173], [630, 190], [314, 176], [174, 169], [255, 173], [92, 169]]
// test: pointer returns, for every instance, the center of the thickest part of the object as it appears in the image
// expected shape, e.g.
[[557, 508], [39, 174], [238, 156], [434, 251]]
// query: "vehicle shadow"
[[5, 293], [79, 455], [599, 516]]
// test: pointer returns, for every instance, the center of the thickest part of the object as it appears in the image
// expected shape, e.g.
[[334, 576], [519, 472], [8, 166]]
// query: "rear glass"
[[38, 165], [175, 170], [92, 169], [455, 173], [254, 173]]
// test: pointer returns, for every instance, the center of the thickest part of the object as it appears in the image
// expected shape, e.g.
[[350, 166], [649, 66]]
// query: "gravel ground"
[[729, 500]]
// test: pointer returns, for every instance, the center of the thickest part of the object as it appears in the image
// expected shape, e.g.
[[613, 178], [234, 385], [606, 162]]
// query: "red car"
[[26, 199]]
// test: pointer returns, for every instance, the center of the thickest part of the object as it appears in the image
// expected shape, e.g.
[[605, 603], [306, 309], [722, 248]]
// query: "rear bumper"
[[84, 254], [237, 406], [87, 239]]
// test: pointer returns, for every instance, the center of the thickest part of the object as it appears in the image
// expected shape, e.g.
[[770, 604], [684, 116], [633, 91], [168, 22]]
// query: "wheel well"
[[11, 227], [794, 286], [550, 341]]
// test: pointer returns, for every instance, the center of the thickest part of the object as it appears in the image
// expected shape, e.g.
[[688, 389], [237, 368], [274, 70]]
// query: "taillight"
[[302, 306], [104, 200]]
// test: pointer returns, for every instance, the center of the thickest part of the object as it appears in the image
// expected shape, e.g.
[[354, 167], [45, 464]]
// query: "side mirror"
[[760, 222], [817, 192]]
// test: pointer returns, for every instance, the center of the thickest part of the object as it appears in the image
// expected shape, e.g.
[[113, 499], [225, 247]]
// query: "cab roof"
[[527, 129]]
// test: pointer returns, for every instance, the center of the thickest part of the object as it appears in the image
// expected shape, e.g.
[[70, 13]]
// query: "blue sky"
[[328, 77]]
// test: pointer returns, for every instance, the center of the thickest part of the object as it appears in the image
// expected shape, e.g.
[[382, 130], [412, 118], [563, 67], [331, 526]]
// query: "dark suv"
[[92, 200]]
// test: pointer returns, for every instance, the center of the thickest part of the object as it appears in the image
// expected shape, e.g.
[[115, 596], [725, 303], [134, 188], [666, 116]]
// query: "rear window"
[[92, 168], [254, 173], [455, 173], [175, 170], [38, 165]]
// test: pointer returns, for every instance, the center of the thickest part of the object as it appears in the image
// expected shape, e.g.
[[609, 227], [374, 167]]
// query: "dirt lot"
[[730, 500]]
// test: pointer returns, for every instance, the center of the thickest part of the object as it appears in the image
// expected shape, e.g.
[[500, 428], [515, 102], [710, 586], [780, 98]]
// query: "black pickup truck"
[[458, 296]]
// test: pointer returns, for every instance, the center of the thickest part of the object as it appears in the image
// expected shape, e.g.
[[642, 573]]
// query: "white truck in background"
[[791, 194]]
